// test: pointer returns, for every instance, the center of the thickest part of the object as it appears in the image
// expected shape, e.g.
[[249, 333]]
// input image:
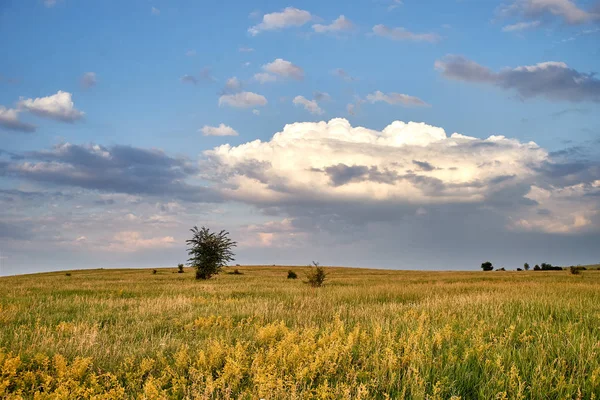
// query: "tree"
[[487, 266], [526, 266], [209, 251], [537, 268], [316, 276]]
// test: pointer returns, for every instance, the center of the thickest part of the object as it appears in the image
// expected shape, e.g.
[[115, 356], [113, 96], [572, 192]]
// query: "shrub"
[[154, 272], [180, 268], [537, 268], [236, 272], [316, 276], [519, 269], [550, 267], [68, 274], [209, 251], [292, 275], [501, 269], [487, 266], [574, 270]]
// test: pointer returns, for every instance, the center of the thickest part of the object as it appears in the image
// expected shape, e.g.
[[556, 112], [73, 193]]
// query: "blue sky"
[[145, 77]]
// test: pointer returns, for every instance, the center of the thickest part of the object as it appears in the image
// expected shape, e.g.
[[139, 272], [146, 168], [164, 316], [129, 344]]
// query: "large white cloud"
[[405, 163], [59, 106], [289, 17]]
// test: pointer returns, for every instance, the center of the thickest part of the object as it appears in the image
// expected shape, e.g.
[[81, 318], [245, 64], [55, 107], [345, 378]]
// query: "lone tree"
[[526, 266], [209, 251], [487, 266]]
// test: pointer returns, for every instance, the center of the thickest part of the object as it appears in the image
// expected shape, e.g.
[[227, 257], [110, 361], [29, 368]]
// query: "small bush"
[[519, 269], [487, 266], [180, 268], [574, 270], [316, 276], [501, 269], [154, 272], [236, 272], [68, 274], [292, 275]]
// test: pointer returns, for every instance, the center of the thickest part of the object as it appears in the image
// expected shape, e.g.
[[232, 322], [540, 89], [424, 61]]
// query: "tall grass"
[[366, 334]]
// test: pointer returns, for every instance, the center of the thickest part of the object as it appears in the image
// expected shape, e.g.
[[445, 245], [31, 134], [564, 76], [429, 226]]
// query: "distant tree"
[[316, 276], [154, 272], [519, 269], [501, 269], [292, 275], [487, 266], [209, 251], [526, 266], [180, 268], [537, 268]]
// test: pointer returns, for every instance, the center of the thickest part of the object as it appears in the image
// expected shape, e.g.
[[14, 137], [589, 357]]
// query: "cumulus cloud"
[[88, 80], [566, 10], [243, 100], [521, 26], [59, 107], [113, 169], [396, 98], [341, 24], [408, 165], [289, 17], [284, 69], [403, 34], [232, 85], [9, 119], [264, 77], [551, 80], [221, 130], [309, 105]]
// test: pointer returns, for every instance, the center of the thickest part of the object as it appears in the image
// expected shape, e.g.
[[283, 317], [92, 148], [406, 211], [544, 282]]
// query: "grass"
[[364, 334]]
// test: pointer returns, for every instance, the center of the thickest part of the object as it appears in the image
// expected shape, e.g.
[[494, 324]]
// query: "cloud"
[[246, 49], [289, 17], [189, 79], [221, 130], [309, 105], [88, 80], [396, 98], [50, 3], [9, 119], [407, 166], [233, 84], [403, 34], [243, 100], [256, 112], [59, 107], [521, 26], [321, 96], [284, 69], [341, 73], [190, 53], [113, 169], [133, 241], [566, 10], [264, 77], [341, 24], [551, 80], [155, 11]]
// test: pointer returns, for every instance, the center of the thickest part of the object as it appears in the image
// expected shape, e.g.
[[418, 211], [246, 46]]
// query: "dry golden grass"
[[365, 334]]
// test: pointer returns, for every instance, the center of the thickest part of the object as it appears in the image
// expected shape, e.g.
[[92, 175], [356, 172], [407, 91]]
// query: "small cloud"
[[321, 96], [221, 130], [566, 10], [289, 17], [264, 77], [189, 79], [395, 4], [89, 80], [340, 73], [59, 107], [396, 98], [309, 105], [190, 53], [233, 84], [243, 100], [246, 49], [9, 119], [256, 112], [521, 26], [155, 11], [285, 69], [341, 24], [403, 34]]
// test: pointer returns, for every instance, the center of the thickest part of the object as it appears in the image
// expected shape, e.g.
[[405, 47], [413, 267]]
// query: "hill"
[[365, 334]]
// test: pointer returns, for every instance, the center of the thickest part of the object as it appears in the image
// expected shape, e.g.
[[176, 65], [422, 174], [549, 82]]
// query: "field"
[[366, 334]]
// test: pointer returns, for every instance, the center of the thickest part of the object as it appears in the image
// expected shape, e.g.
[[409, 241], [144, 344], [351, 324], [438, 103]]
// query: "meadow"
[[366, 334]]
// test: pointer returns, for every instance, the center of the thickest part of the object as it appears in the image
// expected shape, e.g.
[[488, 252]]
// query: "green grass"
[[365, 334]]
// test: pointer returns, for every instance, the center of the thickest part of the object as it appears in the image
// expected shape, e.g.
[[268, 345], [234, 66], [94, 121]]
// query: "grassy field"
[[365, 334]]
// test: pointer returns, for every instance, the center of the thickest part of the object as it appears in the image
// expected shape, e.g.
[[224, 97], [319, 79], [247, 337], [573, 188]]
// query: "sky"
[[373, 133]]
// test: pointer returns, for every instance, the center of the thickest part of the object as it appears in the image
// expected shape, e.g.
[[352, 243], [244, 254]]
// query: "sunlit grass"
[[365, 334]]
